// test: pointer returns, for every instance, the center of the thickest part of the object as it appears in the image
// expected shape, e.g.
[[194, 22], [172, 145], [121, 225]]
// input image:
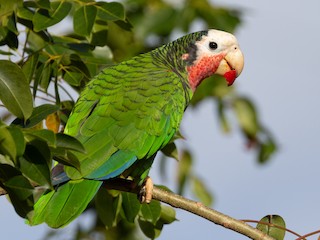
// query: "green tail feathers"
[[60, 207]]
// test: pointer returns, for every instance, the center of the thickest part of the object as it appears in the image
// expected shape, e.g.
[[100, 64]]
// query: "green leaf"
[[131, 206], [11, 24], [170, 150], [66, 157], [214, 86], [201, 191], [222, 116], [10, 39], [3, 34], [35, 171], [8, 7], [83, 19], [18, 188], [70, 143], [30, 65], [150, 230], [151, 212], [45, 4], [266, 150], [57, 213], [36, 163], [7, 171], [271, 226], [45, 76], [43, 134], [25, 13], [22, 187], [80, 47], [99, 35], [37, 78], [68, 46], [18, 138], [14, 90], [267, 146], [168, 214], [65, 110], [108, 207], [37, 42], [73, 76], [184, 169], [153, 230], [125, 25], [111, 11], [7, 143], [43, 18], [246, 115], [38, 114], [154, 22], [5, 159], [221, 18]]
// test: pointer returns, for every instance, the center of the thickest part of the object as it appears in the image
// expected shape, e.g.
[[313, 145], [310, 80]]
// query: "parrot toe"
[[145, 193]]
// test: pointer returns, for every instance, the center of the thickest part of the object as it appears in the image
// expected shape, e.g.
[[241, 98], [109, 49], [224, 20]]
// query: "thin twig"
[[25, 44], [46, 99], [66, 91], [308, 235], [273, 225], [44, 92]]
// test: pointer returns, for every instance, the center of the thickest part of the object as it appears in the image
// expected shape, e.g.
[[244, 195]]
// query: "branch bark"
[[191, 206], [197, 208], [214, 216]]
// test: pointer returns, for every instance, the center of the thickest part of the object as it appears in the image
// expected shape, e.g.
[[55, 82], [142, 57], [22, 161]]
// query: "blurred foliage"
[[56, 47]]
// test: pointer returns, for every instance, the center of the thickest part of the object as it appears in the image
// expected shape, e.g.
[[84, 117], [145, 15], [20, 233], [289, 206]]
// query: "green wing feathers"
[[122, 109]]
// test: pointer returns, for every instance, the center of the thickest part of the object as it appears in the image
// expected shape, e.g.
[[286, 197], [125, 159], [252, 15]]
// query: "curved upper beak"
[[231, 65]]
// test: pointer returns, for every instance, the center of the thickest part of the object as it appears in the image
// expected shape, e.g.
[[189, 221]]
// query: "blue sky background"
[[281, 43]]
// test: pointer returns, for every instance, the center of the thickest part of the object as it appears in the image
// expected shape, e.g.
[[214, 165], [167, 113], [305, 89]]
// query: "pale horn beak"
[[231, 65]]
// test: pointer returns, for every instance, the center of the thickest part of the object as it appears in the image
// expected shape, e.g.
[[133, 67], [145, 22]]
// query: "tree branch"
[[194, 207], [183, 203], [214, 216]]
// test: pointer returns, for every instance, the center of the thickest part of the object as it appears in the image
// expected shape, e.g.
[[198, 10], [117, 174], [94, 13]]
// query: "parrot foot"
[[145, 193]]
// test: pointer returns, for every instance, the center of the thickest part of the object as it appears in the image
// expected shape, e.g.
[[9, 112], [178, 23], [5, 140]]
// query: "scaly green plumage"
[[132, 111], [125, 114]]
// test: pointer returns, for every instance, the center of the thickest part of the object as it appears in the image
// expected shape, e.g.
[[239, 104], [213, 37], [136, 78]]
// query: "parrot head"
[[216, 52]]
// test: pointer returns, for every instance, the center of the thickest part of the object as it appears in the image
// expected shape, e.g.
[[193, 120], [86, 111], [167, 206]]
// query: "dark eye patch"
[[213, 45]]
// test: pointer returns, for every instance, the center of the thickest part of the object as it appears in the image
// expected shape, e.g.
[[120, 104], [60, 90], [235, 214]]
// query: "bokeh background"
[[280, 40]]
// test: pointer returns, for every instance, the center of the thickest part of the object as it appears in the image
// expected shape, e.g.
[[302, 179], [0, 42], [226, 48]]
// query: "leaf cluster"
[[40, 65]]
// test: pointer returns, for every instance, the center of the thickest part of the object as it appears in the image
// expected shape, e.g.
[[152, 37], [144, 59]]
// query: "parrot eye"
[[213, 45]]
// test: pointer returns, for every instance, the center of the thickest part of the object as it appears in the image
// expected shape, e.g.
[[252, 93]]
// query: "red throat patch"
[[202, 69], [230, 76]]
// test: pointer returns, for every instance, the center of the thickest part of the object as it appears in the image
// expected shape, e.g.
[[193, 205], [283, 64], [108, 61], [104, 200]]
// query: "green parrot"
[[130, 111]]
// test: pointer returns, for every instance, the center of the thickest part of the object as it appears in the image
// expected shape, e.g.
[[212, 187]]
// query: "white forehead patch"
[[223, 39]]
